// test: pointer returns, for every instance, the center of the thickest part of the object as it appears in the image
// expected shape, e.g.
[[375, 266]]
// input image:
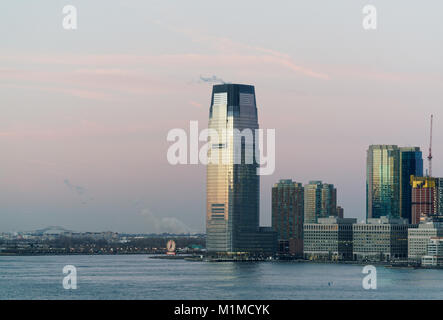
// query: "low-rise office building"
[[328, 239], [434, 256], [381, 239], [418, 238]]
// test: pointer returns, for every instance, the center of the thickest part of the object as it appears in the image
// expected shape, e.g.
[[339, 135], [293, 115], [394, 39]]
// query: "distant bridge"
[[51, 229]]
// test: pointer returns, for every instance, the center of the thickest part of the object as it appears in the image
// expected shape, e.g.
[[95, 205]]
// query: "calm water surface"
[[139, 277]]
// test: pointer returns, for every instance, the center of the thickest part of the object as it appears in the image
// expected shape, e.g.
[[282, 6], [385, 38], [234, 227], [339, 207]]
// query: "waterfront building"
[[320, 201], [381, 239], [328, 239], [434, 256], [388, 172], [419, 236], [424, 200], [287, 216], [383, 181], [411, 164], [232, 186]]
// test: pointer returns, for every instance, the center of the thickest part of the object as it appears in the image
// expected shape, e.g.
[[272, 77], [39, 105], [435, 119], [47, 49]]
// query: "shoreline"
[[202, 258]]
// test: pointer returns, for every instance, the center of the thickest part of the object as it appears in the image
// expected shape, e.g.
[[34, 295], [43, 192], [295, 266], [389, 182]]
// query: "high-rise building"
[[411, 164], [340, 212], [312, 201], [320, 201], [287, 216], [232, 186], [382, 181], [383, 185], [440, 196], [328, 200], [388, 172], [425, 201]]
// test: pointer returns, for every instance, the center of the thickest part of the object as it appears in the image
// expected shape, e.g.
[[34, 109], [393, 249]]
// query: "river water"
[[140, 277]]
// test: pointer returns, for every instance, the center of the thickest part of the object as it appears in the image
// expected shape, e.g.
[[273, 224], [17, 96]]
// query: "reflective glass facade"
[[232, 187], [383, 181], [411, 164], [388, 189]]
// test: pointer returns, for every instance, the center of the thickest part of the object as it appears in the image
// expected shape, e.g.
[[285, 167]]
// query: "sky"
[[85, 113]]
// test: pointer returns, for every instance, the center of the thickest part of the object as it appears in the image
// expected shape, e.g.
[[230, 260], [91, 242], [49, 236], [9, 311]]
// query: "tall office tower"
[[424, 198], [328, 200], [320, 201], [383, 181], [411, 164], [287, 216], [232, 187], [340, 212], [312, 201]]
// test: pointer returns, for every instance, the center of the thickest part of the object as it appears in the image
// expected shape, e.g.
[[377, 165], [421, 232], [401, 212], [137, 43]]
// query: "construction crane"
[[430, 150]]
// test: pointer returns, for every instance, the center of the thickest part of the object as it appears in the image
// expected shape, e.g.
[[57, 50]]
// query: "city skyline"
[[221, 159], [85, 117]]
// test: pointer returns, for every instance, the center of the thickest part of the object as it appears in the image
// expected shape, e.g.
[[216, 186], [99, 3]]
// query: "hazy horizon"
[[85, 112]]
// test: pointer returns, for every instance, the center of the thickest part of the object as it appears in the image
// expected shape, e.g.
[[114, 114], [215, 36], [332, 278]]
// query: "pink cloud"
[[195, 104]]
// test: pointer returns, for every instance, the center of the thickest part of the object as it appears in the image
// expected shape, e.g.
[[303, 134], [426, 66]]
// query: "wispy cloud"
[[79, 129], [77, 189], [195, 104], [213, 79], [80, 191], [229, 46]]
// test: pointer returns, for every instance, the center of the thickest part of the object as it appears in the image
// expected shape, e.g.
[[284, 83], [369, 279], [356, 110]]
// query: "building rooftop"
[[336, 220], [386, 220]]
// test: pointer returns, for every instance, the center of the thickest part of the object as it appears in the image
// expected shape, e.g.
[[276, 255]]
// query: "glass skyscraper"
[[388, 175], [383, 181], [411, 164], [233, 187]]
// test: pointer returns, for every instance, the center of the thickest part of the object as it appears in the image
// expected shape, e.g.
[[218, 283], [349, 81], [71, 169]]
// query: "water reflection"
[[138, 277]]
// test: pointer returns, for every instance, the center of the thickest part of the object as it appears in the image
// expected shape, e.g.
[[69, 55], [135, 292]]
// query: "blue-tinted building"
[[388, 174], [411, 164], [383, 181]]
